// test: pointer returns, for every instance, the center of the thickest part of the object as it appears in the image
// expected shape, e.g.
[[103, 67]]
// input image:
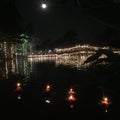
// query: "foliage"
[[102, 11], [111, 57]]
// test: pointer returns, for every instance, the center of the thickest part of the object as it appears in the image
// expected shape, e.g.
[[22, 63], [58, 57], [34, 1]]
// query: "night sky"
[[56, 19], [59, 18]]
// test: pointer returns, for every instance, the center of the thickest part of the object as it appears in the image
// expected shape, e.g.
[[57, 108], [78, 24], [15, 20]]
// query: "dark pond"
[[50, 89]]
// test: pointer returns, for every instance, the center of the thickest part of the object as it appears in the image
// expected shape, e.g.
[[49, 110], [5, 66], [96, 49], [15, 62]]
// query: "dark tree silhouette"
[[109, 36], [104, 11], [9, 17], [70, 38]]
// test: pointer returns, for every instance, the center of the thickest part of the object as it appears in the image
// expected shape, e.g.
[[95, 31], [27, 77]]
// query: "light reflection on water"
[[45, 85], [23, 67], [72, 61], [105, 101], [48, 96]]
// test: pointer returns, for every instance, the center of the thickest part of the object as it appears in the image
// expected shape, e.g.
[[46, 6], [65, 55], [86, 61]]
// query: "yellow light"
[[48, 87], [106, 99], [18, 84]]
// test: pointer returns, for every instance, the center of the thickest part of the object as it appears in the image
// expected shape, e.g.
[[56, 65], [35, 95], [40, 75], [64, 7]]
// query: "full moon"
[[44, 6]]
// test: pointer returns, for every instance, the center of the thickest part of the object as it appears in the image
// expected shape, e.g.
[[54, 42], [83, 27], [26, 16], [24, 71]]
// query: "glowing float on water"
[[105, 102], [19, 87], [71, 91], [48, 88], [71, 98], [71, 95]]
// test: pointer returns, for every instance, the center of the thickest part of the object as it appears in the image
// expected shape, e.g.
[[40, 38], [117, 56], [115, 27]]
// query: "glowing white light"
[[71, 106], [19, 97], [106, 110], [44, 6], [47, 101]]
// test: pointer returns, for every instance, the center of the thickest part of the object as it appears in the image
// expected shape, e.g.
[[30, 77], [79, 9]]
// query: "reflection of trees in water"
[[111, 61], [7, 69], [104, 98], [12, 69], [76, 61], [1, 70]]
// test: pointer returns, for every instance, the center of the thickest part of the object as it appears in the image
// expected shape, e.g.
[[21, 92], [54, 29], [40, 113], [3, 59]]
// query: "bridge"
[[77, 50], [72, 56]]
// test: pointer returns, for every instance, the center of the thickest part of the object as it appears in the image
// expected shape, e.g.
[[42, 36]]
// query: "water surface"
[[44, 90]]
